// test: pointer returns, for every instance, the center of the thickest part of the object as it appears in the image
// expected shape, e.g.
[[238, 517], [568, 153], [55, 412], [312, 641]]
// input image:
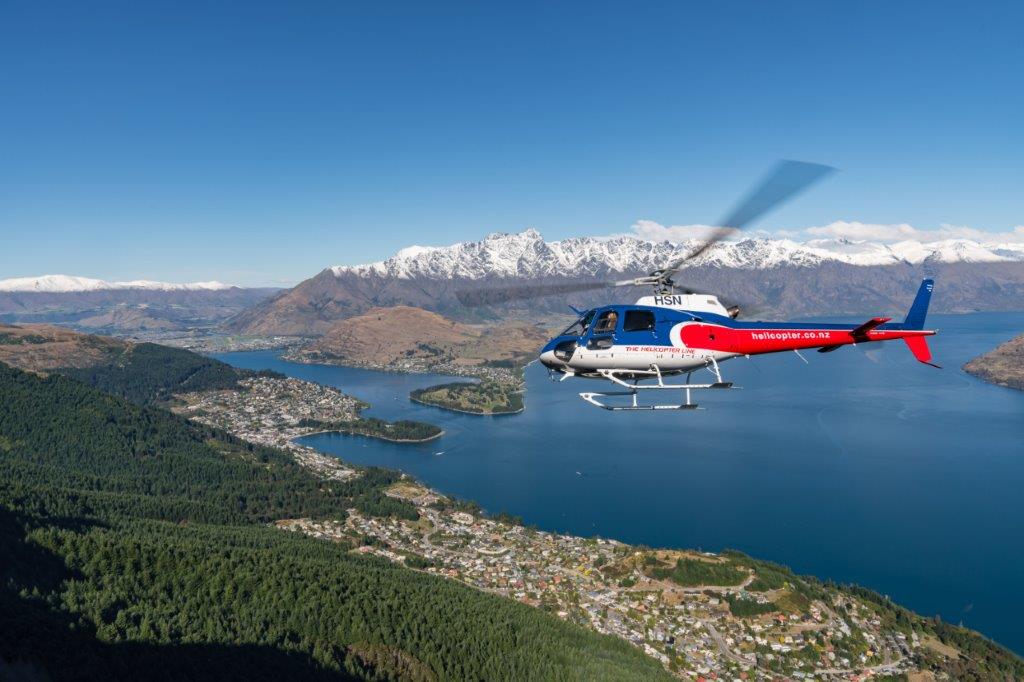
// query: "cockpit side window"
[[606, 322], [580, 326], [638, 321]]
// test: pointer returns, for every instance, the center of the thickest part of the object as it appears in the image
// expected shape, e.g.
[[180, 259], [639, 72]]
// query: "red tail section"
[[919, 347]]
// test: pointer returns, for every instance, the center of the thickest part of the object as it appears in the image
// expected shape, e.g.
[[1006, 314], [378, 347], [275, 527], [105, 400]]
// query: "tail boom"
[[744, 338], [775, 339], [748, 339]]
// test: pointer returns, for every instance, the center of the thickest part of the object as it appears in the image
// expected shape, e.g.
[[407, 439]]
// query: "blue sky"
[[257, 143]]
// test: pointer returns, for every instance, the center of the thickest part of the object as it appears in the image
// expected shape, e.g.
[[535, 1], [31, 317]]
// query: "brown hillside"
[[40, 347], [385, 336], [128, 310], [388, 334], [128, 319]]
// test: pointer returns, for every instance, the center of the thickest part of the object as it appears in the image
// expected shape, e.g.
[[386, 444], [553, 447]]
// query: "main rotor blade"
[[497, 295], [785, 181]]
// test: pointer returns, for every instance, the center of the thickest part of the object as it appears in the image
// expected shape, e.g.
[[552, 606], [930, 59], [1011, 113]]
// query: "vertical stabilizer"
[[919, 309]]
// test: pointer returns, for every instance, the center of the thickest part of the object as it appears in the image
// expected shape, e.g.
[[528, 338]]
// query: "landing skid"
[[616, 376]]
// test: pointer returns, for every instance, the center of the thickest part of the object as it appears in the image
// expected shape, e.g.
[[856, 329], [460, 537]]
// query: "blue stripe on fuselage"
[[666, 318]]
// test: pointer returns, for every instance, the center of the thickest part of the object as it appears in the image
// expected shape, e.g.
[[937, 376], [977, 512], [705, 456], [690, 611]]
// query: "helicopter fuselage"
[[658, 333]]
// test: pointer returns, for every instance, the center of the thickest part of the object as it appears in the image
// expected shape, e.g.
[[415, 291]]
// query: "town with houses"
[[691, 630], [428, 365], [736, 629], [267, 410]]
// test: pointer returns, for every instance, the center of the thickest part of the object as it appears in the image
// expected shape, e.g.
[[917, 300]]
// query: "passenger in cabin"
[[607, 322]]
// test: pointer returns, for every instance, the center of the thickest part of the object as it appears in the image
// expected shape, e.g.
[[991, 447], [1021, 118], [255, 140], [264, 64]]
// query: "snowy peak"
[[70, 283], [526, 254]]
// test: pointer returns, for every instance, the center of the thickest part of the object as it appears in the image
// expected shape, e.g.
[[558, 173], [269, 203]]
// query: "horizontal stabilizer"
[[919, 347], [829, 349], [863, 330]]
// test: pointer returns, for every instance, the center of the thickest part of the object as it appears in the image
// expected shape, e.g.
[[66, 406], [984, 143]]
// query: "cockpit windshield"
[[580, 326]]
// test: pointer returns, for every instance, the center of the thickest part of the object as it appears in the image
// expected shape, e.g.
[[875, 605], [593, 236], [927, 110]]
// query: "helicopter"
[[678, 331]]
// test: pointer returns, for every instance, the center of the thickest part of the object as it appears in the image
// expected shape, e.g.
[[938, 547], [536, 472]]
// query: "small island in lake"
[[484, 397], [1003, 366]]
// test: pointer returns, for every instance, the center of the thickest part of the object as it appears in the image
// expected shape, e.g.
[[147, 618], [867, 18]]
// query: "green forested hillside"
[[148, 373], [134, 545], [143, 373], [116, 457]]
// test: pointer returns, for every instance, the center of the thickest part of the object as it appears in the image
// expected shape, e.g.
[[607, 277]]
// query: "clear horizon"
[[259, 144]]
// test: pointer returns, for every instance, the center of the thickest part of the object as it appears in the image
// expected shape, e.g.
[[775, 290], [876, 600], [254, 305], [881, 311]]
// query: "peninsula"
[[402, 431], [484, 397], [1003, 366]]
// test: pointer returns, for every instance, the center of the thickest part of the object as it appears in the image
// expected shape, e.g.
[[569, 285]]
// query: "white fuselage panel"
[[668, 358], [696, 303]]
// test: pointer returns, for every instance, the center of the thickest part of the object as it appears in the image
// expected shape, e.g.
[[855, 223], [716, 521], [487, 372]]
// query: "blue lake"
[[863, 466]]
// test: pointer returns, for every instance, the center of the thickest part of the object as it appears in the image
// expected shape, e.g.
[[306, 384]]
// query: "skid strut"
[[613, 375]]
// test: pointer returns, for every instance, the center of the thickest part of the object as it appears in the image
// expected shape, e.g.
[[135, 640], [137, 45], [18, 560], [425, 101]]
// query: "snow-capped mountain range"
[[526, 254], [781, 278], [53, 284]]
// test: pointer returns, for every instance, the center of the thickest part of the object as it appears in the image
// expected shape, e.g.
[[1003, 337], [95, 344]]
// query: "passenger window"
[[638, 321], [606, 323]]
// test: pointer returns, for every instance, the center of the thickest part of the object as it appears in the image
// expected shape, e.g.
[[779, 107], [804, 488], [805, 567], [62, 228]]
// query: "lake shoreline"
[[409, 441], [453, 371], [470, 375]]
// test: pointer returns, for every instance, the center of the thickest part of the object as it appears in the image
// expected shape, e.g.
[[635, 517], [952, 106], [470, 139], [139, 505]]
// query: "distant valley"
[[154, 309]]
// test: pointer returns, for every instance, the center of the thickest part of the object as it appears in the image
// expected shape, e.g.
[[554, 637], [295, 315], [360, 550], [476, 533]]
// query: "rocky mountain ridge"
[[773, 279], [527, 254]]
